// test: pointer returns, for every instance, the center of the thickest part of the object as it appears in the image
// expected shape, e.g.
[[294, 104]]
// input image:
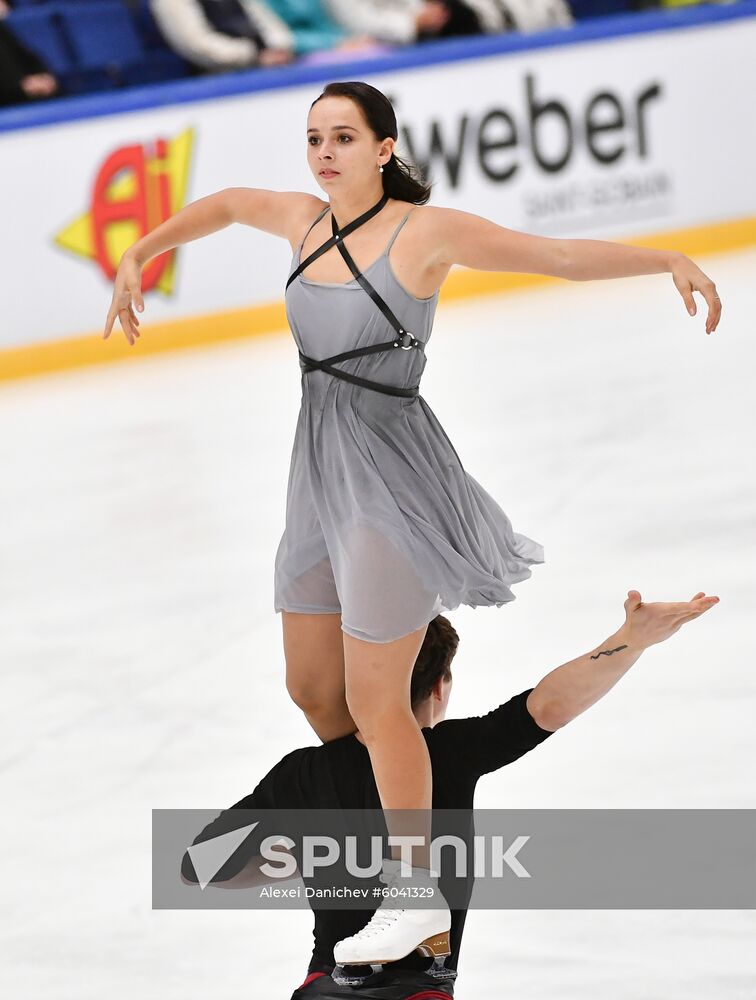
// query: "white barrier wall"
[[611, 138]]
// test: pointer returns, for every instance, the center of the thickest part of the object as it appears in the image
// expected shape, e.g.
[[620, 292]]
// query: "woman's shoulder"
[[303, 213], [427, 224], [448, 232], [281, 213], [431, 216], [428, 221]]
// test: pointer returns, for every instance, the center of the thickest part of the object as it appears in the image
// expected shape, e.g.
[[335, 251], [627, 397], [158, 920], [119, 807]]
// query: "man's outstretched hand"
[[570, 689], [647, 624]]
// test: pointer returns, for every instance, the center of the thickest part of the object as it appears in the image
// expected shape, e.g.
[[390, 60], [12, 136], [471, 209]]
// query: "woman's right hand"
[[126, 293]]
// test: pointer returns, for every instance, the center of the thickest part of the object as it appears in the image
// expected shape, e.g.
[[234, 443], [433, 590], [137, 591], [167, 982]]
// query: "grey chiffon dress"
[[383, 524]]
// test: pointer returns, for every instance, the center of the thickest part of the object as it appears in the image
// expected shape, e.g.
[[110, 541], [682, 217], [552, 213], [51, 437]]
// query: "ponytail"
[[402, 180]]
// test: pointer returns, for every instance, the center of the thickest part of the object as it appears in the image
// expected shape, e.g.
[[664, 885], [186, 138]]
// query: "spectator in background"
[[398, 22], [315, 29], [23, 75], [404, 22], [496, 16], [536, 15], [364, 25], [224, 34]]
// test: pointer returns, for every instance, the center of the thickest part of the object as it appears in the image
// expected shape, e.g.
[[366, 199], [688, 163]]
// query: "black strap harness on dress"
[[404, 339]]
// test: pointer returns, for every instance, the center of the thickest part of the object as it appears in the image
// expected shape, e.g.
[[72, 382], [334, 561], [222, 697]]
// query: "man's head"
[[432, 676]]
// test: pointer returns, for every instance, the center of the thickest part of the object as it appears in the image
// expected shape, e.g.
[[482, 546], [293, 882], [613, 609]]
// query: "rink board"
[[645, 135]]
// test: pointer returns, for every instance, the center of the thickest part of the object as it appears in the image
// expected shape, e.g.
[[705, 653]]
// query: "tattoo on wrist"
[[608, 652]]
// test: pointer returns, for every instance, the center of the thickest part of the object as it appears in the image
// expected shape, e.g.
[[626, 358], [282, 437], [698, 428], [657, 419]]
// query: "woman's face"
[[340, 142]]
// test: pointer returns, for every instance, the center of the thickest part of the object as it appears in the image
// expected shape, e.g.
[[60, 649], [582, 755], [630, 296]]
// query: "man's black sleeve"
[[267, 795], [486, 743]]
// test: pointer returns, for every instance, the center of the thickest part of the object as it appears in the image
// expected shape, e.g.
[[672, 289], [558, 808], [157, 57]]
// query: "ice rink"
[[142, 664]]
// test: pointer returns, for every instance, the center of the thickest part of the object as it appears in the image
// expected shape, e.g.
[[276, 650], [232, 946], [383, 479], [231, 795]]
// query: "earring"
[[380, 169]]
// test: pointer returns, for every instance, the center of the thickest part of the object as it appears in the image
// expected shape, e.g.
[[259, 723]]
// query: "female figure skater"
[[384, 528]]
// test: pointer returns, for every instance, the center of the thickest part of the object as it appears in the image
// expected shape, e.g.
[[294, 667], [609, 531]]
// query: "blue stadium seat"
[[161, 62], [39, 29], [146, 26], [94, 45], [159, 65], [101, 35]]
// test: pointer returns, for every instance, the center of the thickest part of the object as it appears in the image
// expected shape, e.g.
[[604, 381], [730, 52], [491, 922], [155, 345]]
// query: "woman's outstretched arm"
[[281, 213], [472, 241]]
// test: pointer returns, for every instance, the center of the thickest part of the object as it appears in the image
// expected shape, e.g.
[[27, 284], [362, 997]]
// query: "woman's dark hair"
[[434, 659], [401, 179]]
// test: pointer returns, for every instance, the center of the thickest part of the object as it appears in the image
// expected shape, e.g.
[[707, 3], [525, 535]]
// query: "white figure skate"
[[394, 932]]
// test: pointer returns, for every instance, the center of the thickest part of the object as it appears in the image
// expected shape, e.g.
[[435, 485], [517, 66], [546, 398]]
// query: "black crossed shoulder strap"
[[337, 234], [404, 339]]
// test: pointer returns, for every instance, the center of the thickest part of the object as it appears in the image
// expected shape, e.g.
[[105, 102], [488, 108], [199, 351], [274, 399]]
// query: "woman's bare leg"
[[314, 651], [378, 677]]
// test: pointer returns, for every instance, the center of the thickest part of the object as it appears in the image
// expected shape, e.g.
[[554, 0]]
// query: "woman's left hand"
[[688, 278]]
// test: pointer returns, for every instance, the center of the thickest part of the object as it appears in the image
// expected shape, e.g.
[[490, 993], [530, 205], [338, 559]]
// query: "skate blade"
[[436, 971], [341, 977], [436, 947], [439, 971]]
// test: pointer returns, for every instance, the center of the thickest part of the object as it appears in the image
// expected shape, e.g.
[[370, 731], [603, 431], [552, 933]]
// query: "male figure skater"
[[337, 774]]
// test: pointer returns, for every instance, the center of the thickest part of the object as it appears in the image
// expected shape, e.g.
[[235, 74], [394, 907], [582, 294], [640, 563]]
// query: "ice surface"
[[142, 664]]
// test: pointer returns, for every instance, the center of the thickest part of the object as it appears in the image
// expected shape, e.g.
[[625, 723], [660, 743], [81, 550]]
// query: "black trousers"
[[402, 985]]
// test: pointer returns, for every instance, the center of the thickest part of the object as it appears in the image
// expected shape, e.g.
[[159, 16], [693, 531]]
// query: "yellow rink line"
[[259, 320]]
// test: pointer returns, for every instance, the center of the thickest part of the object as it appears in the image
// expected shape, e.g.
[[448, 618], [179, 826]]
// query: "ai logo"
[[135, 189]]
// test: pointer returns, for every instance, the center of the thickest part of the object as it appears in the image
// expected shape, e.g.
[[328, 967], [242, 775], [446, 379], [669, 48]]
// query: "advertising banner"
[[606, 138]]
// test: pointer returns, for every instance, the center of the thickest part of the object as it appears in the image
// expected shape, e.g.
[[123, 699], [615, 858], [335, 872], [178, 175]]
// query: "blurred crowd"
[[40, 44]]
